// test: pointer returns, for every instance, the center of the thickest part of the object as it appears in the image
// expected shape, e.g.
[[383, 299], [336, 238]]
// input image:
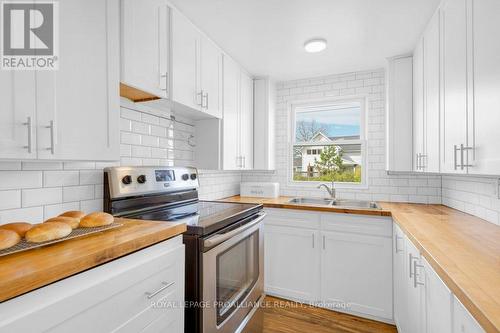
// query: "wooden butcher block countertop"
[[25, 271], [463, 250]]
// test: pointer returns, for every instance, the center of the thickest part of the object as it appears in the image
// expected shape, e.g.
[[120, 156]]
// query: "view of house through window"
[[328, 142]]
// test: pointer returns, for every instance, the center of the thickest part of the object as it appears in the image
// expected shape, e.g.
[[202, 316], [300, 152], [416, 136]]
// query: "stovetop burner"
[[201, 217]]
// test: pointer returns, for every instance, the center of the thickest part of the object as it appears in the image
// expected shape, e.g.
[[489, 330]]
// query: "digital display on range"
[[164, 175]]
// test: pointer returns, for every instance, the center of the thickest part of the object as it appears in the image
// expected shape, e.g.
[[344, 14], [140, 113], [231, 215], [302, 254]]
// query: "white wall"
[[34, 191], [381, 187]]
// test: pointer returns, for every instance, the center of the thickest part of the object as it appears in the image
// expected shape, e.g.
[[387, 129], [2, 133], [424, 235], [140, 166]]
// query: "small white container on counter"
[[262, 190]]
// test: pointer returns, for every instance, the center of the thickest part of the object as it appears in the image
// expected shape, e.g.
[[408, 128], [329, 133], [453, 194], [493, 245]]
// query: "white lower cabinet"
[[422, 301], [291, 262], [463, 322], [340, 261], [141, 292]]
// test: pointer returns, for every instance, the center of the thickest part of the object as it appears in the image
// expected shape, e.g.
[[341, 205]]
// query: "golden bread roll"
[[18, 227], [71, 221], [74, 213], [8, 238], [47, 231], [96, 220]]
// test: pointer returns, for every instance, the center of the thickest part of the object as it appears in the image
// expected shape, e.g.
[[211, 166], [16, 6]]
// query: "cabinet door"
[[356, 274], [78, 105], [415, 290], [145, 45], [483, 129], [211, 77], [231, 159], [185, 51], [246, 119], [291, 262], [431, 160], [17, 115], [454, 85], [400, 276], [463, 322], [438, 301], [418, 106]]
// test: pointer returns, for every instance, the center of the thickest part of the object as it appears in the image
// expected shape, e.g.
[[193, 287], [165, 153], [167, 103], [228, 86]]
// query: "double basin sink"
[[340, 203]]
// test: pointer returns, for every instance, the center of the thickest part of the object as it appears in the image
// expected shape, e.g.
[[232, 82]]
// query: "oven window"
[[237, 273]]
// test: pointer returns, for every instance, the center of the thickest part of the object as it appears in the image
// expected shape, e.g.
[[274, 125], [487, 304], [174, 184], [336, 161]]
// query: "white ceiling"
[[267, 36]]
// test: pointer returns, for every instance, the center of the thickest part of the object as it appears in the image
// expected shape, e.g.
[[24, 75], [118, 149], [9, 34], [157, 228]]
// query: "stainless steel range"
[[224, 241]]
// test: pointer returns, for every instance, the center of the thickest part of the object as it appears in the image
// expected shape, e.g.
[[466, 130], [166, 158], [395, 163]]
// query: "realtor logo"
[[29, 35]]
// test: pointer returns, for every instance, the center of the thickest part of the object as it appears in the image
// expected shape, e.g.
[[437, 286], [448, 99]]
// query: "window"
[[328, 142]]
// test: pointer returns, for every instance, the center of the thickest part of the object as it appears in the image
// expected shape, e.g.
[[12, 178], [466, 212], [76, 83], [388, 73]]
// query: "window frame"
[[363, 131]]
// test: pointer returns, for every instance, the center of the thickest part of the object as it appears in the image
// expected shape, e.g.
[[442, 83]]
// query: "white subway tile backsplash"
[[57, 209], [20, 179], [78, 193], [42, 165], [89, 206], [10, 199], [41, 196], [91, 177], [6, 166], [60, 178], [31, 215], [79, 165]]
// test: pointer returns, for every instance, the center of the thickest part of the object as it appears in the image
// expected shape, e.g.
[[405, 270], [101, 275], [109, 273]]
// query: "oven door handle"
[[217, 239]]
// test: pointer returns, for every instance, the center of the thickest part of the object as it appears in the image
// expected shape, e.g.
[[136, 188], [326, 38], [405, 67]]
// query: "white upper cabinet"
[[399, 114], [78, 105], [71, 113], [231, 119], [430, 161], [264, 124], [145, 32], [237, 124], [211, 77], [196, 68], [185, 49], [17, 115], [246, 123], [484, 135], [454, 80], [418, 108]]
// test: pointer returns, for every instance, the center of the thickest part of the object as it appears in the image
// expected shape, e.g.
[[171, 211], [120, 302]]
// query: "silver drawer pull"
[[415, 275], [29, 124], [166, 285]]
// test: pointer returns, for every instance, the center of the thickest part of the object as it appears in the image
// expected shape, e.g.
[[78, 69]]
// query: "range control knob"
[[185, 176], [141, 179], [194, 176], [127, 180]]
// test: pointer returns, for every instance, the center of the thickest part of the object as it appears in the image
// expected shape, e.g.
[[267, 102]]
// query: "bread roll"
[[8, 238], [47, 231], [18, 227], [96, 220], [71, 221], [74, 213]]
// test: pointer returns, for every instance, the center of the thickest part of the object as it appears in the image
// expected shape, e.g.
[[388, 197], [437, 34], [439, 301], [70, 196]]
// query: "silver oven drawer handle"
[[166, 285], [217, 239]]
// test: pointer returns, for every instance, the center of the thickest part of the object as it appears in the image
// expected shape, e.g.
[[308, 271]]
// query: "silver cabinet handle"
[[396, 243], [244, 161], [423, 161], [455, 149], [415, 281], [52, 137], [462, 149], [164, 81], [324, 242], [204, 98], [417, 161], [29, 124], [410, 261], [313, 239], [207, 101], [166, 285], [200, 94]]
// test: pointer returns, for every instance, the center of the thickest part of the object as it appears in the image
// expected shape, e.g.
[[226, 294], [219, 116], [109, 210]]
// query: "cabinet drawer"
[[111, 297], [292, 218], [368, 225]]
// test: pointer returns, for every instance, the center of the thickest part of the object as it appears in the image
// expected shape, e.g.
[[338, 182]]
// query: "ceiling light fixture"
[[315, 45]]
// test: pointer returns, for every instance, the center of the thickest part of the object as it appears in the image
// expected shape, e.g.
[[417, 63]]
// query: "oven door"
[[232, 276]]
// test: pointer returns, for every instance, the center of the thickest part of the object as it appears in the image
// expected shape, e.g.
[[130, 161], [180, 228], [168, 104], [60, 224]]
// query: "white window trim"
[[293, 105]]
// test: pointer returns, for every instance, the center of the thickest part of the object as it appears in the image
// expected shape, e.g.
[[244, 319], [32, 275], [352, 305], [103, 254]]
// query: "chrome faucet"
[[331, 190]]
